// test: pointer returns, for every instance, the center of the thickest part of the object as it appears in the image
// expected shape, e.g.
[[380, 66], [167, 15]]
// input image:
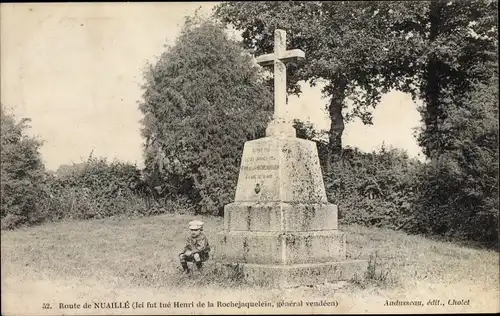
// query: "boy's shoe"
[[199, 266], [185, 268]]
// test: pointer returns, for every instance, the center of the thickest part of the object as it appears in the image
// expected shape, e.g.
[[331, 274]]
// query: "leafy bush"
[[373, 189], [98, 189]]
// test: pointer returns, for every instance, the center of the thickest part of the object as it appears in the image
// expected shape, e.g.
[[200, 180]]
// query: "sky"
[[76, 71]]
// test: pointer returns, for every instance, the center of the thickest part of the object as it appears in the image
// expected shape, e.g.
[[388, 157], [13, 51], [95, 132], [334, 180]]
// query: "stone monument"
[[281, 230]]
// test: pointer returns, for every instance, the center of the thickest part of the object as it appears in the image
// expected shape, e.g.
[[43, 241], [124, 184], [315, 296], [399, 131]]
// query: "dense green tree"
[[22, 172], [364, 48], [459, 188], [203, 99], [450, 41], [458, 81]]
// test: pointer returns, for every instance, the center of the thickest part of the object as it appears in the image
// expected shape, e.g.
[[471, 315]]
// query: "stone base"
[[286, 276], [280, 248]]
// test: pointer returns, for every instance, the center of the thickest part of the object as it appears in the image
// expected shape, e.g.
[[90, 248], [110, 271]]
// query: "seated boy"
[[197, 247]]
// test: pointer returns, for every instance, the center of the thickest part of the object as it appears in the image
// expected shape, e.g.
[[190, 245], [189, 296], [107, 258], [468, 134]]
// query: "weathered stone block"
[[280, 169], [280, 248], [280, 216]]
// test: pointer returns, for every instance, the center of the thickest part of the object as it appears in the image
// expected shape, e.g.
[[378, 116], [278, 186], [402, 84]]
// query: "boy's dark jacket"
[[197, 244]]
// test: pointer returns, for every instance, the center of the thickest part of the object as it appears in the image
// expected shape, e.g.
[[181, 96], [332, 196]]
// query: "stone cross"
[[278, 58]]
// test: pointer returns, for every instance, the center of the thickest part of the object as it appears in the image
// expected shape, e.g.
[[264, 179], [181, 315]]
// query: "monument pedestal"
[[281, 230]]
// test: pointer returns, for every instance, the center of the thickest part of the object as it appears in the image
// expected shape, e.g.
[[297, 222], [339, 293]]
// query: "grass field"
[[135, 260]]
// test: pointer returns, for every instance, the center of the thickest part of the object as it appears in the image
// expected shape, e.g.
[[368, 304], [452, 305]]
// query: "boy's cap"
[[196, 224]]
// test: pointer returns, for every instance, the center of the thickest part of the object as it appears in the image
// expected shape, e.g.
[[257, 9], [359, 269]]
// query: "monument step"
[[286, 276], [280, 216], [280, 248]]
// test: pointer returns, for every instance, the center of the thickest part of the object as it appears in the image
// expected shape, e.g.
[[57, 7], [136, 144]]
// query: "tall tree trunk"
[[430, 139], [337, 93]]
